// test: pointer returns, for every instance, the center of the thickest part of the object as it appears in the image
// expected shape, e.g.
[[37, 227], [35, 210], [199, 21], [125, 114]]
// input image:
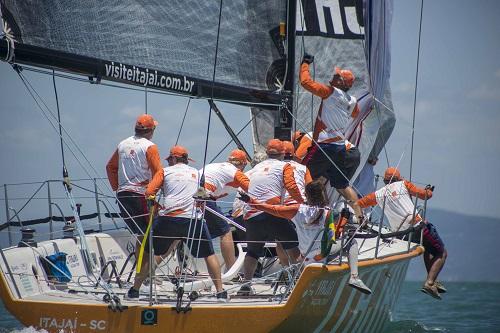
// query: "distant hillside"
[[471, 242]]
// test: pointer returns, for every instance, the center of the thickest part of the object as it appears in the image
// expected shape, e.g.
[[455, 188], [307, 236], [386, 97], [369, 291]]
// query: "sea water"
[[466, 307]]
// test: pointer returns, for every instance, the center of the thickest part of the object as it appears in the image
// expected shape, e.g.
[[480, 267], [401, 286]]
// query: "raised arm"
[[318, 89], [417, 191]]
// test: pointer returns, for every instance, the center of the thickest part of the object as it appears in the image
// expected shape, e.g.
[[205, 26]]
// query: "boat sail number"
[[342, 19]]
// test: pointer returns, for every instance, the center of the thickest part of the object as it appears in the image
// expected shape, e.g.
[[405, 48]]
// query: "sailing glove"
[[244, 197], [308, 59]]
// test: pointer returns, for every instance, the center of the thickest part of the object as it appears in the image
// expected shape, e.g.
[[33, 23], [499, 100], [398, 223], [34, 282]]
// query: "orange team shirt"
[[304, 144], [133, 164]]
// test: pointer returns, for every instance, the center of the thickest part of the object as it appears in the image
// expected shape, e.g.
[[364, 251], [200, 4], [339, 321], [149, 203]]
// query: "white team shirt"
[[398, 205], [335, 115], [307, 232], [217, 176], [133, 170], [266, 183], [180, 183]]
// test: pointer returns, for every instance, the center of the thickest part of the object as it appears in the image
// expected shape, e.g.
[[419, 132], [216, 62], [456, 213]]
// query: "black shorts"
[[216, 225], [346, 163], [432, 242], [266, 227], [167, 229], [134, 211]]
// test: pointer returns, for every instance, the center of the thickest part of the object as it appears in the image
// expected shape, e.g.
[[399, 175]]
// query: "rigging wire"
[[182, 123], [238, 133], [202, 178], [59, 122], [416, 88]]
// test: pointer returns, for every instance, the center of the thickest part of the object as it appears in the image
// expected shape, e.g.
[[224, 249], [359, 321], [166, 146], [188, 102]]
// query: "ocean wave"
[[410, 326], [30, 329]]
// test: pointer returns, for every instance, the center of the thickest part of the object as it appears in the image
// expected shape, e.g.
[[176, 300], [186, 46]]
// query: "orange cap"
[[145, 121], [392, 173], [179, 151], [275, 146], [238, 155], [346, 75], [288, 147]]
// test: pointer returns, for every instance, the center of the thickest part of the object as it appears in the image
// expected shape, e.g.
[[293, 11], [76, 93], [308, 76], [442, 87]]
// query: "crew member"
[[179, 218], [218, 177], [335, 113], [130, 169], [309, 219], [268, 182], [395, 197]]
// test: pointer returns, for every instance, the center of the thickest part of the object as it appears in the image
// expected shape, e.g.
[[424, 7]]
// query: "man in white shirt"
[[179, 218], [135, 161], [219, 179]]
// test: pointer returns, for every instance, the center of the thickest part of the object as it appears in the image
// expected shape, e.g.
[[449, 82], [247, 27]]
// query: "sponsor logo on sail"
[[341, 19], [150, 78]]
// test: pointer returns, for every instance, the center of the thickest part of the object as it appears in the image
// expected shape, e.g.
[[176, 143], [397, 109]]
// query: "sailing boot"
[[358, 284]]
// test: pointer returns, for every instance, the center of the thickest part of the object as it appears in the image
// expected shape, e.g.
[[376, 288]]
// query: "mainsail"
[[167, 45]]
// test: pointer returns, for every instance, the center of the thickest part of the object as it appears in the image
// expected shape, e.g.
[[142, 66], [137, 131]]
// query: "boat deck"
[[29, 280]]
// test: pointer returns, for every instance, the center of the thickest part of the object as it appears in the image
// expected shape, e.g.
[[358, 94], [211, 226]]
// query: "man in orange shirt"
[[131, 167], [395, 198], [331, 145]]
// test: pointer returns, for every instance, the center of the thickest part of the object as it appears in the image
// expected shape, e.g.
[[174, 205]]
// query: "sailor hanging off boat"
[[268, 181], [309, 219], [175, 221], [395, 199], [130, 169], [333, 156], [219, 178]]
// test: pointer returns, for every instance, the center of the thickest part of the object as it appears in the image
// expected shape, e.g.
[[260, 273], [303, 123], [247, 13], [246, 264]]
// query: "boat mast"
[[283, 130]]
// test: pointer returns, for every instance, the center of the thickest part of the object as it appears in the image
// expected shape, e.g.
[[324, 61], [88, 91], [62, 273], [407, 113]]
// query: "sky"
[[457, 129]]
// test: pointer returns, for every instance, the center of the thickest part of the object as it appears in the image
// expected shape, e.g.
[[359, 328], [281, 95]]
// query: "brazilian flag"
[[328, 238]]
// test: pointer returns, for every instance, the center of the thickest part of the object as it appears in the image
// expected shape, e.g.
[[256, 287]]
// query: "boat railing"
[[45, 191]]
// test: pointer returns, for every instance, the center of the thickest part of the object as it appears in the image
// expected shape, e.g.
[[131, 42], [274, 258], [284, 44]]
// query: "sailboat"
[[241, 52]]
